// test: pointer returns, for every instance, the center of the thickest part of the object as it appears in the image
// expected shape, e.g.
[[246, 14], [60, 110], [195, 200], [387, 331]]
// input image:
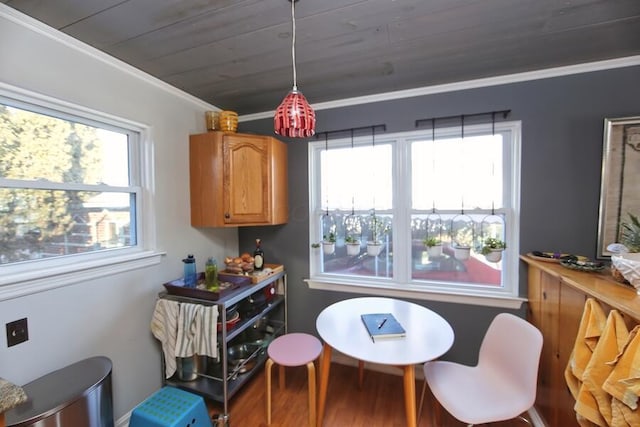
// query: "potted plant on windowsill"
[[353, 245], [329, 243], [492, 249], [378, 229], [434, 247]]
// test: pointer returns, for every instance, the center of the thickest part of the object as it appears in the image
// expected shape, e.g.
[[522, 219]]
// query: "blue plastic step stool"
[[171, 407]]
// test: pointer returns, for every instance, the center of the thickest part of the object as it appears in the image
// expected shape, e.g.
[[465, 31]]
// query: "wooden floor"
[[380, 403]]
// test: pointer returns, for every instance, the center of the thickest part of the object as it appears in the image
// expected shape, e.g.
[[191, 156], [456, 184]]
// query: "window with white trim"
[[70, 186], [423, 196]]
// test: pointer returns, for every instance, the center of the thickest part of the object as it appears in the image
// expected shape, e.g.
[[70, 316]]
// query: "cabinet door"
[[549, 371], [247, 177]]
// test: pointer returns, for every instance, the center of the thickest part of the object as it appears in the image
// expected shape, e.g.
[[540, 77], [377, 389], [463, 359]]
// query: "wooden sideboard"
[[556, 301]]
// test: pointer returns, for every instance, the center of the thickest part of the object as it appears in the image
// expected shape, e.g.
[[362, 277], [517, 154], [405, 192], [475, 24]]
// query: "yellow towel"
[[164, 326], [591, 326], [593, 403], [622, 415], [623, 384]]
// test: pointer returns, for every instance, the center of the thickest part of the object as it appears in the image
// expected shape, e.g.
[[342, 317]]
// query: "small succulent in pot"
[[492, 244], [431, 242], [329, 243], [353, 245], [329, 238]]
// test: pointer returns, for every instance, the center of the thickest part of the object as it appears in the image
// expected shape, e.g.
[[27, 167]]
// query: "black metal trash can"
[[79, 395]]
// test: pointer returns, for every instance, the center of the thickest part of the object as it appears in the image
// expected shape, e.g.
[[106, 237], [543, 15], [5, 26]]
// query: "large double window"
[[70, 188], [414, 211]]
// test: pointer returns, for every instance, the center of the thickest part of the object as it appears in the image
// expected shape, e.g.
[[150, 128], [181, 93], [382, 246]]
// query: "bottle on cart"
[[190, 274], [211, 274], [258, 256]]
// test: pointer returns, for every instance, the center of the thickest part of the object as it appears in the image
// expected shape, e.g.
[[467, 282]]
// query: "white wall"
[[109, 315]]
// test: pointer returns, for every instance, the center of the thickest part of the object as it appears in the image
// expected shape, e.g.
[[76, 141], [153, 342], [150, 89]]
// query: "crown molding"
[[588, 67]]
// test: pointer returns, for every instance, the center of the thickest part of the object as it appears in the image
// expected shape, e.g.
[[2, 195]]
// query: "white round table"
[[428, 336]]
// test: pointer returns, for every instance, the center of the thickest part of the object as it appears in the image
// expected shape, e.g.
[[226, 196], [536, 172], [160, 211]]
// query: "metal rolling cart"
[[221, 380]]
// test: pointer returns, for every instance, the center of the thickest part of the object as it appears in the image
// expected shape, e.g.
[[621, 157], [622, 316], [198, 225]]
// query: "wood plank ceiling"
[[236, 54]]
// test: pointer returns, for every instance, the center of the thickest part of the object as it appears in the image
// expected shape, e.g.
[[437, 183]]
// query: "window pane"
[[358, 177], [449, 172], [450, 262], [37, 224], [364, 258], [34, 146]]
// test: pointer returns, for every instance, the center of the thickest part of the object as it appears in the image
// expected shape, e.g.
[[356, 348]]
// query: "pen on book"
[[382, 323]]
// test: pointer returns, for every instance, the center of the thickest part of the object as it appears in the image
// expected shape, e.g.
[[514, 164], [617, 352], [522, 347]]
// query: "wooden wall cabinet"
[[556, 301], [237, 180]]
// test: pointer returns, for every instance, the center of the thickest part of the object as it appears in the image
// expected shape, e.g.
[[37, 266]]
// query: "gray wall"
[[562, 130]]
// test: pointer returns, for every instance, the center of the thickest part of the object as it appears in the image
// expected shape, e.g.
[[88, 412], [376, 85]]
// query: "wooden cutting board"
[[256, 276]]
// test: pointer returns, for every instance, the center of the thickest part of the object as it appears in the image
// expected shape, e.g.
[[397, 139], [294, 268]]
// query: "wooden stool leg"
[[311, 371], [267, 371], [281, 377]]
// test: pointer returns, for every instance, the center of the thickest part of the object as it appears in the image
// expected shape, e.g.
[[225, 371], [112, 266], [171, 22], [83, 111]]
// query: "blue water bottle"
[[190, 275]]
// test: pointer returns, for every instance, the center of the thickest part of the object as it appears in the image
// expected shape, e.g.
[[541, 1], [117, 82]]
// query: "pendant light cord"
[[293, 42]]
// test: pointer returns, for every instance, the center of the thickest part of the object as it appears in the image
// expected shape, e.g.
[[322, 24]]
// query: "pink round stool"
[[295, 349]]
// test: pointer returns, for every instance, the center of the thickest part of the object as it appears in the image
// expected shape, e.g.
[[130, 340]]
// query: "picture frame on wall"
[[620, 182]]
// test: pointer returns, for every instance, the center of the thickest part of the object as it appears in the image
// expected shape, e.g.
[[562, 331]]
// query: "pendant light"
[[294, 116]]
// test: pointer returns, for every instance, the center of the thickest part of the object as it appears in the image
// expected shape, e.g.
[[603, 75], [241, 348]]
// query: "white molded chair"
[[503, 384]]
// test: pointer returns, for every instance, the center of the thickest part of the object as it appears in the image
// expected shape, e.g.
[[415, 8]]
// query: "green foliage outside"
[[38, 147]]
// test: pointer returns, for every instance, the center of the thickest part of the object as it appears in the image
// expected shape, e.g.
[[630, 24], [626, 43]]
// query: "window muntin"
[[66, 184], [481, 174]]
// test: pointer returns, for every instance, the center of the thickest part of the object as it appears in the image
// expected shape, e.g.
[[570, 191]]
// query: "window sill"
[[20, 284], [487, 299]]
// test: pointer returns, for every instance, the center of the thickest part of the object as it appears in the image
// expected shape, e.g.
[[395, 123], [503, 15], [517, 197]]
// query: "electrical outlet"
[[17, 332]]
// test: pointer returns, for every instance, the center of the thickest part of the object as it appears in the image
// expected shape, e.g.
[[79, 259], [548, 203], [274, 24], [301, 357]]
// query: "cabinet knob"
[[544, 295], [226, 215]]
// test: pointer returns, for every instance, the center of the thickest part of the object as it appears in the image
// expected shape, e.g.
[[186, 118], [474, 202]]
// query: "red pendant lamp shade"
[[294, 117]]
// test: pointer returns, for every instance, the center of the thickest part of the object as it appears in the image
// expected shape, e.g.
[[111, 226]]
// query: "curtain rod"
[[432, 120], [371, 128]]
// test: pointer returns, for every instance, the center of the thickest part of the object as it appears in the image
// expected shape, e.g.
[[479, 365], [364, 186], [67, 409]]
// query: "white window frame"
[[25, 278], [401, 285]]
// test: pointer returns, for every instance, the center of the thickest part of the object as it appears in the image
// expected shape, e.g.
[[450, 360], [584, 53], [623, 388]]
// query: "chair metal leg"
[[424, 389], [523, 418]]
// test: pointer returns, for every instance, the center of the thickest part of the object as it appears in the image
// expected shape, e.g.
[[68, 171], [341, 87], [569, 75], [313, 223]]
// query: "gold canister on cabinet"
[[228, 121], [212, 118]]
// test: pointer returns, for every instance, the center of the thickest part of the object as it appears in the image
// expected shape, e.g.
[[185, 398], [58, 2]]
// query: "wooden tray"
[[176, 287], [256, 276]]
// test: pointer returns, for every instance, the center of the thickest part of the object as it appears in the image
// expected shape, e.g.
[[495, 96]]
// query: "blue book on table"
[[382, 326]]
